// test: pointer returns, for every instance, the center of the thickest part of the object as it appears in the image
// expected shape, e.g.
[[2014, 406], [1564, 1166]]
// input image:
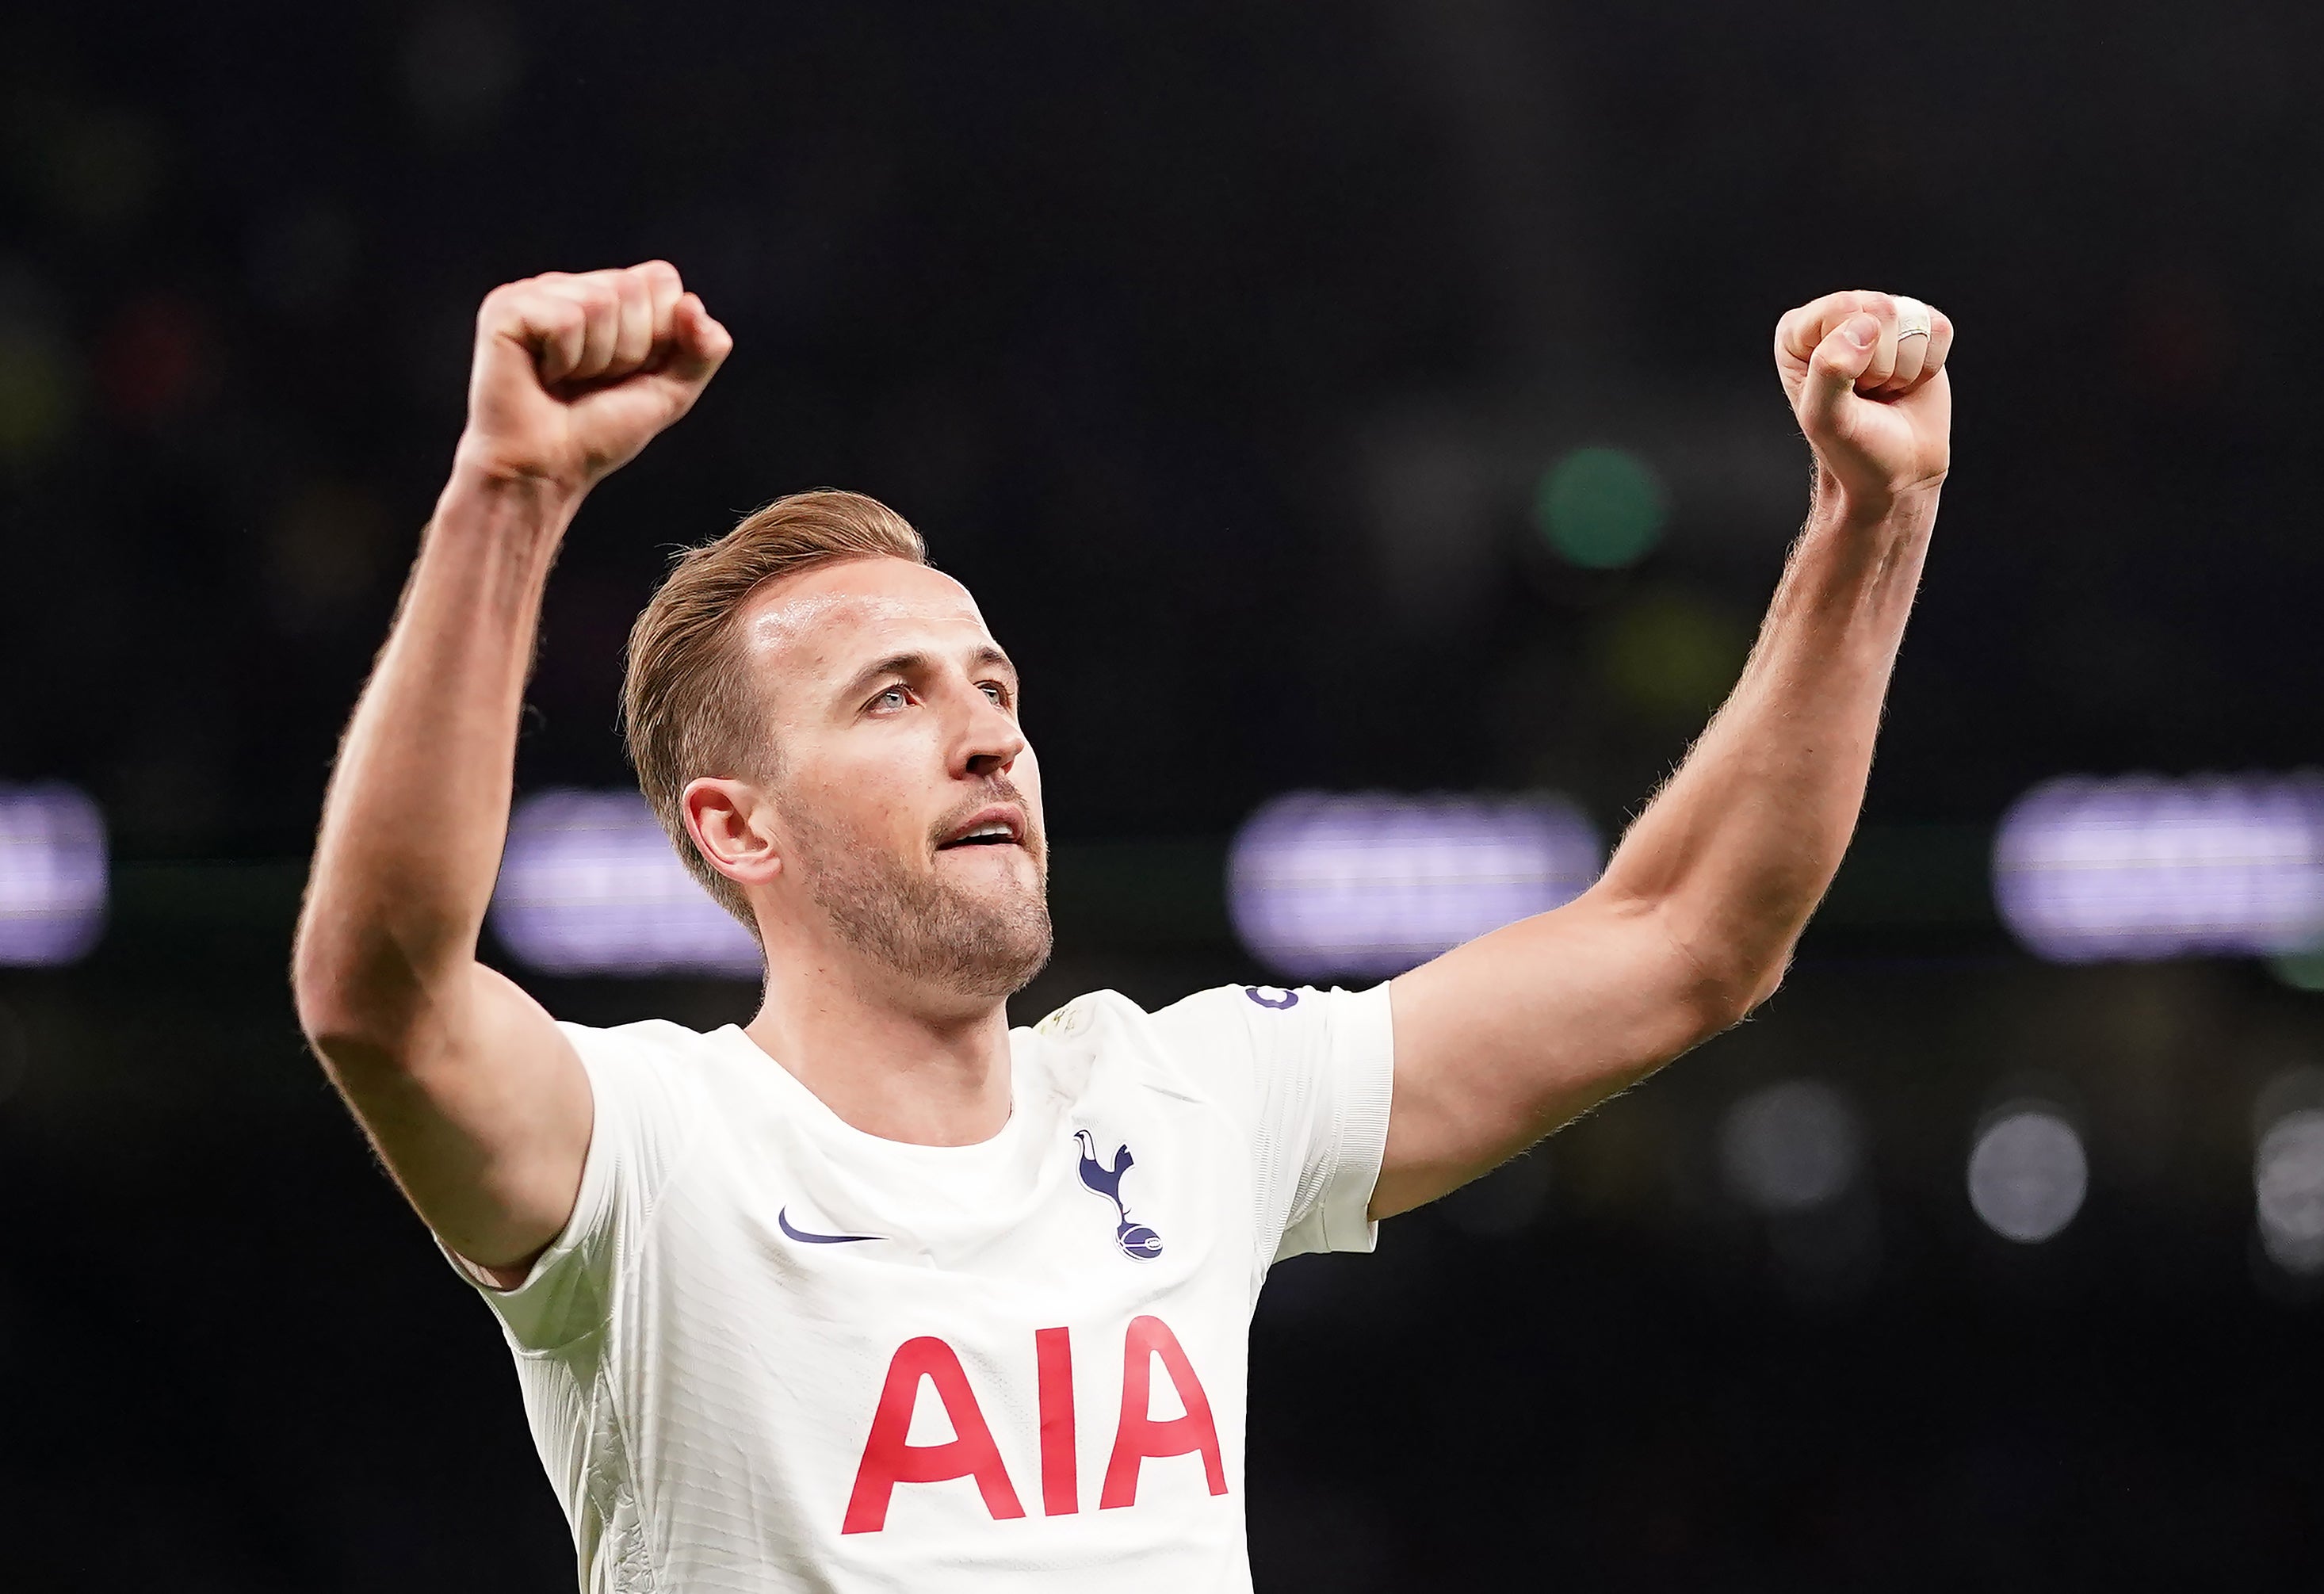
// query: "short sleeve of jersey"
[[1310, 1072], [639, 1125]]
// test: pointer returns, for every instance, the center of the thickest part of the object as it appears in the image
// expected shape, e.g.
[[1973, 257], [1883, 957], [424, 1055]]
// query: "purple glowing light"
[[53, 874], [1374, 884], [2138, 867], [589, 885]]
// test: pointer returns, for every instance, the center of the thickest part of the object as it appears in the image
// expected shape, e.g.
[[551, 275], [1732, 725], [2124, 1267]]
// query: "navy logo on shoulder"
[[1272, 996], [1137, 1241], [808, 1236]]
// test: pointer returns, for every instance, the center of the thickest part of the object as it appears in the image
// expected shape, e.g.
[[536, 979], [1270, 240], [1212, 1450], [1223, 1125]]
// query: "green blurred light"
[[1602, 508], [2303, 971]]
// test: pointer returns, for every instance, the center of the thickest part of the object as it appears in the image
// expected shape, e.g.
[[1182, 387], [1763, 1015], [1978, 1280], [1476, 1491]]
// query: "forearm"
[[1499, 1041], [1739, 848], [417, 808]]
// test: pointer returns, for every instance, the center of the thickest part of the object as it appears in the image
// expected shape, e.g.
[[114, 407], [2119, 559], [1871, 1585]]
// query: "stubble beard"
[[922, 927]]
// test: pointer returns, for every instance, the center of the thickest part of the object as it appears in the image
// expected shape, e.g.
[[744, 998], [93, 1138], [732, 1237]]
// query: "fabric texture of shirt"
[[771, 1352]]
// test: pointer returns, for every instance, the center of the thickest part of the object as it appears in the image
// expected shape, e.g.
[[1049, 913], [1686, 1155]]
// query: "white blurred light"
[[1791, 1147], [2028, 1175], [2288, 1188], [589, 885], [2140, 868], [1374, 884], [53, 874]]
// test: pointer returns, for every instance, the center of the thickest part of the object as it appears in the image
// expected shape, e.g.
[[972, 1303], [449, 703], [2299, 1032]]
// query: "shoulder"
[[651, 1040], [1222, 1011], [1228, 1006], [652, 1061], [1222, 1032]]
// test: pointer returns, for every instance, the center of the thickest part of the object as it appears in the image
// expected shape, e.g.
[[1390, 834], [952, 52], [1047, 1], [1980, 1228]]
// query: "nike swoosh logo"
[[783, 1220]]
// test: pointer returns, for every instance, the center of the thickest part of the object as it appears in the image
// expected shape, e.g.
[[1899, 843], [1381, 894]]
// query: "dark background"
[[1218, 347]]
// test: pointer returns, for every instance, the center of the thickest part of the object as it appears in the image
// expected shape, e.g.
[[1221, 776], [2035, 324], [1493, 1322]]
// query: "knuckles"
[[1881, 306], [561, 294]]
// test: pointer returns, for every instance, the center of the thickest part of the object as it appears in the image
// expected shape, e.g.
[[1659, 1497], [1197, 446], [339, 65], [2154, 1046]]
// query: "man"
[[874, 1293]]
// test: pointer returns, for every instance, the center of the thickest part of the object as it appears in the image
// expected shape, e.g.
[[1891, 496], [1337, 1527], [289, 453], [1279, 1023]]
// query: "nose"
[[991, 740]]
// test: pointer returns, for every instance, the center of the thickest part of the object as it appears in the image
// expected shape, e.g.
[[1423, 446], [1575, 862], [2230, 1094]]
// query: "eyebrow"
[[918, 662]]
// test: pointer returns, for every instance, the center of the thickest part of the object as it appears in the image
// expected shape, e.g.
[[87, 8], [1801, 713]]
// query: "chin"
[[977, 929]]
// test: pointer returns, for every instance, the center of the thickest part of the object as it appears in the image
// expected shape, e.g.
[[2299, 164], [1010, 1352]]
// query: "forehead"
[[835, 619]]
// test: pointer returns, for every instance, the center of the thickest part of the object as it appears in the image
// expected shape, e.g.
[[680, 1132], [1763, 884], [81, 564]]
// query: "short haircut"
[[686, 707]]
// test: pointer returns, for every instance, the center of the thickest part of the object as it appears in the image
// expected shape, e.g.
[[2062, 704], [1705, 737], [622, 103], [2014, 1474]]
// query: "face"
[[903, 819]]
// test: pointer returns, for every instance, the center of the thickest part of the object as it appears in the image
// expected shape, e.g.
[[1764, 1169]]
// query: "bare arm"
[[1499, 1042], [473, 1097]]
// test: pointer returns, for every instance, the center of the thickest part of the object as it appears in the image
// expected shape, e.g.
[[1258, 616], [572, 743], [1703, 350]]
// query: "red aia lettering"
[[1140, 1435], [1053, 1358], [888, 1460]]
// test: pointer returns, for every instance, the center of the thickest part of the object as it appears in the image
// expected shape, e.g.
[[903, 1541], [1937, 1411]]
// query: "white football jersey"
[[770, 1351]]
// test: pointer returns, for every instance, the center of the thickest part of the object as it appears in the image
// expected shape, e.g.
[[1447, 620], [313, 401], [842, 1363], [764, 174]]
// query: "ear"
[[733, 826]]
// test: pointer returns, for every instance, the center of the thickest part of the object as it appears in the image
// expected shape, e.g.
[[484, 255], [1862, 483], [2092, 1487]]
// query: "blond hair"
[[687, 710]]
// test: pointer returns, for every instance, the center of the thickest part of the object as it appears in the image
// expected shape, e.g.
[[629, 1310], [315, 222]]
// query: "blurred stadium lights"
[[1373, 884], [590, 885], [1444, 485], [2028, 1172], [2288, 1190], [53, 874], [2140, 868], [1791, 1147], [2302, 970], [1602, 509]]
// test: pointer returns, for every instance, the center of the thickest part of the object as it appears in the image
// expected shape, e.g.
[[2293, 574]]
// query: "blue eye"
[[992, 690], [893, 697]]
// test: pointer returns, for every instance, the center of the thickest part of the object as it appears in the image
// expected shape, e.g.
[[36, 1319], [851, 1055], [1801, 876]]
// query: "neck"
[[931, 1074]]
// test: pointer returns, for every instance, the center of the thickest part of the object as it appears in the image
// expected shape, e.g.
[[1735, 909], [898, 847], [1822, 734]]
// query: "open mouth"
[[990, 828]]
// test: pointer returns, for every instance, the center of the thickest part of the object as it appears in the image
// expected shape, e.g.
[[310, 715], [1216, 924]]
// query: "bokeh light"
[[1602, 508], [2028, 1173], [2141, 867], [53, 874], [1374, 884], [590, 885], [2302, 970], [1790, 1147], [153, 357], [2288, 1190], [1671, 655], [38, 376]]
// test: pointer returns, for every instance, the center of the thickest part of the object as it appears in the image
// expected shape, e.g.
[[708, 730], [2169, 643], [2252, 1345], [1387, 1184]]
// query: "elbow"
[[1724, 976], [1711, 1006], [356, 999], [337, 1024], [1739, 994]]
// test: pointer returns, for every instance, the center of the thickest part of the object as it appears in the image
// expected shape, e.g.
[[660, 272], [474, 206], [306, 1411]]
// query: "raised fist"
[[1866, 375], [574, 374]]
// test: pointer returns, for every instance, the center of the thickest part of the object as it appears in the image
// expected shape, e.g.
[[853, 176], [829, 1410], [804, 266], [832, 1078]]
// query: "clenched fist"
[[574, 374], [1866, 375]]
